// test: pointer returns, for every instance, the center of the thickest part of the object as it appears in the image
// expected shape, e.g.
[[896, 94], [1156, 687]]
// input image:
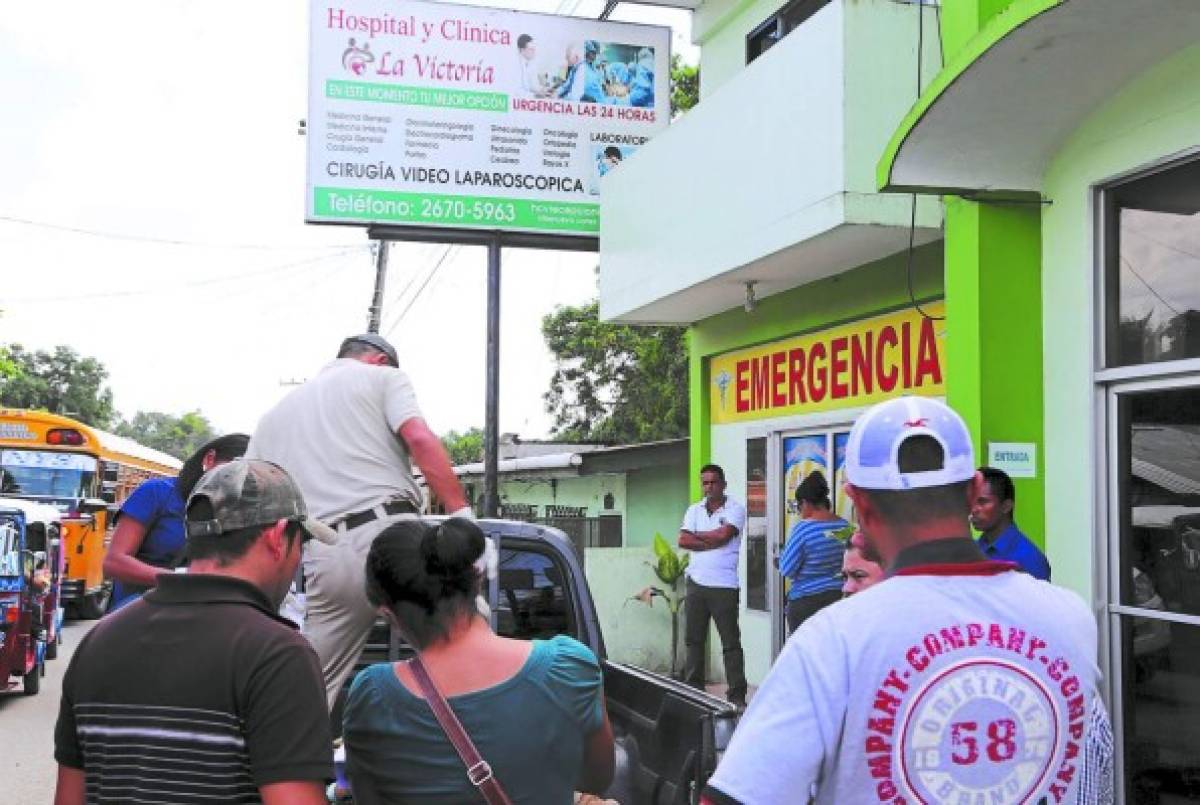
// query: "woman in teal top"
[[535, 710]]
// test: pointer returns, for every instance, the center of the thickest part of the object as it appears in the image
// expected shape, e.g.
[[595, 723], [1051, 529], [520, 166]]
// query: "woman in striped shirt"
[[812, 559]]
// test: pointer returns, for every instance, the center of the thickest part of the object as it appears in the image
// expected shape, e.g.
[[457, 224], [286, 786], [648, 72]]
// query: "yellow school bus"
[[84, 472]]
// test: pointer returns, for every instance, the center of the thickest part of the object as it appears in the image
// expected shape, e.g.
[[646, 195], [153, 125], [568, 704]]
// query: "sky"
[[152, 216]]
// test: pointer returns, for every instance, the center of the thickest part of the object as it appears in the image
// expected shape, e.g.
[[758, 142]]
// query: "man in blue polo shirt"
[[992, 515]]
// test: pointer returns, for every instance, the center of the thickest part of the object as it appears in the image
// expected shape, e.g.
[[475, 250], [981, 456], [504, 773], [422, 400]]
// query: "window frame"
[[779, 23]]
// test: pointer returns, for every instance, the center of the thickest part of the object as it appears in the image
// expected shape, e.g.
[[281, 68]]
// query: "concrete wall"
[[633, 632], [1157, 115], [657, 498], [586, 491]]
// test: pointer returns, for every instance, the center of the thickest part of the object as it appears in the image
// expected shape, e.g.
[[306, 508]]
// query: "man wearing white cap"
[[955, 680]]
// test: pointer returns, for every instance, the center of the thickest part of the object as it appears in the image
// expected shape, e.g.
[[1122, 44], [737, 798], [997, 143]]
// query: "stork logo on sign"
[[355, 58]]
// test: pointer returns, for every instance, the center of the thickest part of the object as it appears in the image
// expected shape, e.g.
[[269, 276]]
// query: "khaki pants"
[[339, 615]]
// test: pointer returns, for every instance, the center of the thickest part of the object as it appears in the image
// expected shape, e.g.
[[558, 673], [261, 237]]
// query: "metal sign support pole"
[[494, 241], [491, 418], [381, 258]]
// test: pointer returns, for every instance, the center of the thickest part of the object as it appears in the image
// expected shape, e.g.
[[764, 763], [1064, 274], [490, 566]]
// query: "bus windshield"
[[45, 474]]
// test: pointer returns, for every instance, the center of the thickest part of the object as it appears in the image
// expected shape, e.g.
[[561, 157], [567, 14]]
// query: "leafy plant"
[[669, 567]]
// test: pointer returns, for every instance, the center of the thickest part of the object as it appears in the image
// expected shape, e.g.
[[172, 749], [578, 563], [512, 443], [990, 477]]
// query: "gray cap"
[[250, 492], [376, 341]]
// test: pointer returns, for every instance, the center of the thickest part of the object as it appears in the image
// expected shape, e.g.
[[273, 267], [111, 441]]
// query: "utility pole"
[[491, 417], [381, 258]]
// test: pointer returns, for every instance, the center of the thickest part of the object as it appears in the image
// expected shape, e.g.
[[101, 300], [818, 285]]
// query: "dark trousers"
[[801, 609], [721, 605]]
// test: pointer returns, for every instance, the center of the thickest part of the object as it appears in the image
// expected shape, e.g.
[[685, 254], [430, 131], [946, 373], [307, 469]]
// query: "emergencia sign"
[[848, 366]]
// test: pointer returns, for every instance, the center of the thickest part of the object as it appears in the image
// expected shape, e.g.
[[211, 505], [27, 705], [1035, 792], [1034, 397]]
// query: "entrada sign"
[[847, 366]]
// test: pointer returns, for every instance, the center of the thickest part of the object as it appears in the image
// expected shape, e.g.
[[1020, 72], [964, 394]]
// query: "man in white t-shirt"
[[712, 530], [957, 679], [349, 438]]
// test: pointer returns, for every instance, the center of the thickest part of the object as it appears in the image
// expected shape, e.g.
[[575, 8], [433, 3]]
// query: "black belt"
[[352, 521]]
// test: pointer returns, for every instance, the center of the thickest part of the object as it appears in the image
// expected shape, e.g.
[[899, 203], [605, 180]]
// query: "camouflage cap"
[[250, 492]]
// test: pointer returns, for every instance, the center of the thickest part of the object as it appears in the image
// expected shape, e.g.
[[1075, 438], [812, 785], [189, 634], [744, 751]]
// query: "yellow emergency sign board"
[[843, 367]]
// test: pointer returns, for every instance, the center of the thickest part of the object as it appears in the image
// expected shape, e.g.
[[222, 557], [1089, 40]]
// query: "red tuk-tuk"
[[22, 630], [43, 536]]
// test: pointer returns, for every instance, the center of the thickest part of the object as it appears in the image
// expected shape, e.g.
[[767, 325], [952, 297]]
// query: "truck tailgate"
[[669, 736]]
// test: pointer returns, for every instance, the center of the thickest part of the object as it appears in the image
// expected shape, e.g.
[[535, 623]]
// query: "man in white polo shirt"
[[712, 530]]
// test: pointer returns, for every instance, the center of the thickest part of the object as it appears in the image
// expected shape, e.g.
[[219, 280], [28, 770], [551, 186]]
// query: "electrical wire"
[[91, 295], [98, 233], [417, 295], [912, 223], [1149, 287]]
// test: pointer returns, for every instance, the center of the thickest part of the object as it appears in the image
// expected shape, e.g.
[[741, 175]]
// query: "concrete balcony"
[[771, 178]]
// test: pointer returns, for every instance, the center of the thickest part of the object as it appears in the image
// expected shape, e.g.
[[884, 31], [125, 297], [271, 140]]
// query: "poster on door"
[[801, 455]]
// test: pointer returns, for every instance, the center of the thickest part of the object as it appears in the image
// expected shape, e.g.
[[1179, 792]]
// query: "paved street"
[[27, 729]]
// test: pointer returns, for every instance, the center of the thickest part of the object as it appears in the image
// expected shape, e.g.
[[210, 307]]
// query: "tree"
[[465, 447], [685, 85], [180, 436], [615, 383], [61, 382]]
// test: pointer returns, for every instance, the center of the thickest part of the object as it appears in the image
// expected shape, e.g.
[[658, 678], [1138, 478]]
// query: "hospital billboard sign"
[[441, 115]]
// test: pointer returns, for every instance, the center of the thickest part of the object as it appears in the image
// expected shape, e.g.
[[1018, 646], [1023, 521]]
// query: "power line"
[[99, 233], [175, 288], [424, 284], [1149, 287]]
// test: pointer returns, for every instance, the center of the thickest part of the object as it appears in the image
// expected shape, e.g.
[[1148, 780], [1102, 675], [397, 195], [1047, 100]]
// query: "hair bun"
[[451, 548]]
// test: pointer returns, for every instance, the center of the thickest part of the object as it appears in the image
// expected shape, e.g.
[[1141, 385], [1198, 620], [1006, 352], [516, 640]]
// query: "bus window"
[[44, 474]]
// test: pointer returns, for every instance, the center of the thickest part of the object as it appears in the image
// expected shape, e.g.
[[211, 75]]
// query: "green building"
[[990, 201]]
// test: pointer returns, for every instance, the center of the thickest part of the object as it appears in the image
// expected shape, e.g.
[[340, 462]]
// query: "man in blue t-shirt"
[[992, 515]]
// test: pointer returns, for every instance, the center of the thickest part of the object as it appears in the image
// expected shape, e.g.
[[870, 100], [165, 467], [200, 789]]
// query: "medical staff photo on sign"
[[434, 114]]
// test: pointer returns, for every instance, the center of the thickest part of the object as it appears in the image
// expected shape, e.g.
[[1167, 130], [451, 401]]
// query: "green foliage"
[[8, 367], [670, 565], [844, 533], [61, 382], [465, 447], [615, 383], [685, 85], [180, 436]]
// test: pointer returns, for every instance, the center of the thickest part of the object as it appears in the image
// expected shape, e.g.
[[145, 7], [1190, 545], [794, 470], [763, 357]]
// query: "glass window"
[[756, 525], [40, 473], [1158, 458], [778, 25], [1153, 256], [532, 599], [1160, 468], [1161, 662]]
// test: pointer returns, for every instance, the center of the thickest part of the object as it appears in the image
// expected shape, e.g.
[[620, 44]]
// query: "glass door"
[[1154, 586], [799, 454]]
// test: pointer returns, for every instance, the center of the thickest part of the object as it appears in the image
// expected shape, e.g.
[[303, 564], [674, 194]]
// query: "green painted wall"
[[657, 499], [1155, 116], [994, 338], [866, 291], [962, 19]]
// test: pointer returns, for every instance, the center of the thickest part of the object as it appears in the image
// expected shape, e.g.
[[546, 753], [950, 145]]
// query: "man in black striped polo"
[[200, 692]]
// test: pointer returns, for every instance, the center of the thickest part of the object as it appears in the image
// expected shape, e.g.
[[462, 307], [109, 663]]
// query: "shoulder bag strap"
[[478, 770]]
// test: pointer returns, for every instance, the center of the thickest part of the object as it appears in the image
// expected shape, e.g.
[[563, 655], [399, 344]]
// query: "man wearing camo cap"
[[956, 679], [199, 690]]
